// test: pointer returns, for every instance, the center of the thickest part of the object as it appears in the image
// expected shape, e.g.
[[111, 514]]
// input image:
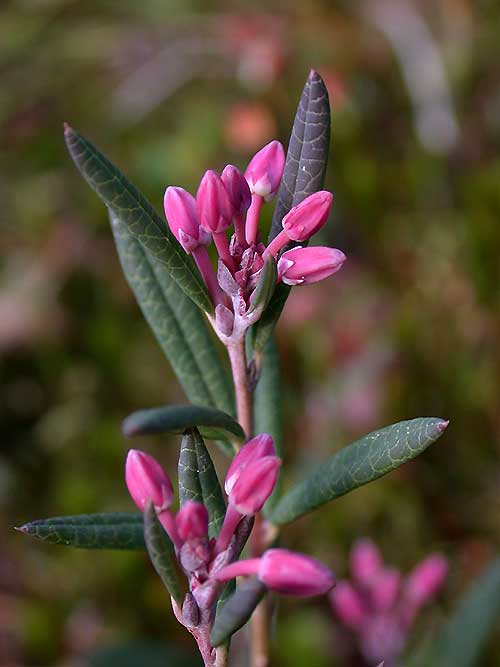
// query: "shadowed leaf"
[[161, 552], [108, 530], [365, 460], [265, 286], [236, 610]]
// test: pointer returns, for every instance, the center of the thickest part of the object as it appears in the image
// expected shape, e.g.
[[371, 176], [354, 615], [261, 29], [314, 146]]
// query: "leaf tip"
[[23, 529], [443, 425], [130, 428], [67, 129]]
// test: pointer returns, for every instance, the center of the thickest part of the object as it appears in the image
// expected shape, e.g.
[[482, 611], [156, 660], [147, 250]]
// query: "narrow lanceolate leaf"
[[141, 219], [361, 462], [304, 174], [212, 423], [236, 610], [108, 530], [198, 480], [161, 552], [176, 322], [265, 287], [466, 634]]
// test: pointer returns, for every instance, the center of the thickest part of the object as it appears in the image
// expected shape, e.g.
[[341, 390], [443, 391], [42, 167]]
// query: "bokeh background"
[[410, 327]]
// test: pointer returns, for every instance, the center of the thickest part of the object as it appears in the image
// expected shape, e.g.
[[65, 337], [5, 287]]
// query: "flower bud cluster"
[[379, 606], [209, 563], [236, 199]]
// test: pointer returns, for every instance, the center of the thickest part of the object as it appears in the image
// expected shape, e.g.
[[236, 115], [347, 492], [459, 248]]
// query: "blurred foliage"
[[409, 328]]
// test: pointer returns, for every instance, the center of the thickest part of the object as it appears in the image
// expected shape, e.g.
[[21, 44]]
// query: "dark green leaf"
[[177, 418], [177, 323], [140, 218], [198, 480], [109, 530], [262, 330], [265, 287], [161, 552], [236, 610], [363, 461]]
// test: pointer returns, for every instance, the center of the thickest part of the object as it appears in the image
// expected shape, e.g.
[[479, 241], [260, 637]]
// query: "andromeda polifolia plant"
[[220, 554]]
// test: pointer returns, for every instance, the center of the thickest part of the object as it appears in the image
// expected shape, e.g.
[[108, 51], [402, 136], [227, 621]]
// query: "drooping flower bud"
[[366, 561], [180, 211], [146, 480], [192, 521], [303, 266], [254, 485], [213, 205], [265, 170], [237, 188], [256, 448], [426, 579], [348, 605], [294, 574], [305, 219]]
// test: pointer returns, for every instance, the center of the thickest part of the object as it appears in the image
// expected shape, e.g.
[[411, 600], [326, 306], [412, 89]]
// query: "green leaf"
[[142, 221], [109, 530], [236, 610], [177, 418], [468, 630], [263, 329], [363, 461], [265, 287], [176, 322], [198, 480], [161, 552]]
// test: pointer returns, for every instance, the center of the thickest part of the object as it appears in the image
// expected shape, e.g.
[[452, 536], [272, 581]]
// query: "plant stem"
[[244, 398]]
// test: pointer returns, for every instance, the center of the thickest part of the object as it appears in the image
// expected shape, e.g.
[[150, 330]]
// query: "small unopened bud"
[[224, 320], [146, 480], [214, 208], [192, 521], [366, 562], [303, 266], [294, 574], [190, 611], [237, 188], [180, 211], [385, 589], [424, 582], [265, 170], [256, 448], [254, 485], [348, 605], [305, 219]]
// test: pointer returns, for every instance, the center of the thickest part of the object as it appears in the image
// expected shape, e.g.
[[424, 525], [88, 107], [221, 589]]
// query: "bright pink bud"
[[366, 562], [254, 485], [426, 579], [237, 188], [305, 219], [294, 574], [303, 266], [192, 521], [256, 448], [348, 605], [214, 208], [146, 480], [385, 589], [180, 211], [265, 170]]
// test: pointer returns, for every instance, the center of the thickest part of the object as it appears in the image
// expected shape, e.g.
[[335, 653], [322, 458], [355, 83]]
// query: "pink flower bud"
[[146, 480], [237, 188], [180, 211], [254, 485], [294, 574], [192, 521], [305, 219], [385, 589], [265, 170], [366, 562], [303, 266], [348, 605], [213, 205], [424, 582], [256, 448]]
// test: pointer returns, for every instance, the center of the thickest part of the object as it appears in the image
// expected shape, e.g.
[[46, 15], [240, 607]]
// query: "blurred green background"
[[410, 327]]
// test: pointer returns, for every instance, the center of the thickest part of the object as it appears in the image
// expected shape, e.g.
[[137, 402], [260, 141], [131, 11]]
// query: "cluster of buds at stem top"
[[208, 563], [379, 606], [236, 199]]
